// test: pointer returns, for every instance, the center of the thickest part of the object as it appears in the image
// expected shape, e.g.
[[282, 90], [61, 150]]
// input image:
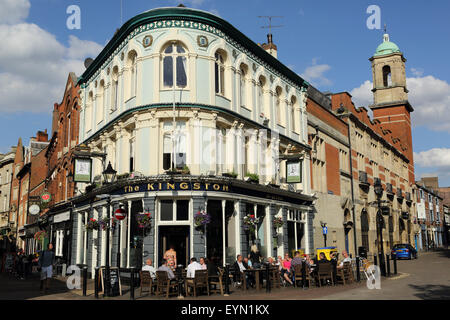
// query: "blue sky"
[[327, 42]]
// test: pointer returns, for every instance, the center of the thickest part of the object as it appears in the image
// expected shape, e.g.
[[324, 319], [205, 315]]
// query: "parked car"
[[405, 251]]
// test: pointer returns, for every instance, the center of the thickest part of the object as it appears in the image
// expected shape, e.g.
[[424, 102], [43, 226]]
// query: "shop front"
[[216, 218]]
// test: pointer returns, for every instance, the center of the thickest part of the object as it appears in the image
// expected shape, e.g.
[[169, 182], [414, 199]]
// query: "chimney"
[[270, 47], [42, 136]]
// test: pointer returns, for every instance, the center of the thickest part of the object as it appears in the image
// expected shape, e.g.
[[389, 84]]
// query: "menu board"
[[113, 279]]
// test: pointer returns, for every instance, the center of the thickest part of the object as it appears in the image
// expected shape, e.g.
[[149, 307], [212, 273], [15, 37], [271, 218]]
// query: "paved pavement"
[[425, 278]]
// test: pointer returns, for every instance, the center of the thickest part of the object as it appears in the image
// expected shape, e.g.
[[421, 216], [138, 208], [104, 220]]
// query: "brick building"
[[59, 156], [430, 214], [21, 182], [381, 152]]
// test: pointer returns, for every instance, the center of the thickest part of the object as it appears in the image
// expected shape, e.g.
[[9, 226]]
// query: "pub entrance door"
[[176, 237]]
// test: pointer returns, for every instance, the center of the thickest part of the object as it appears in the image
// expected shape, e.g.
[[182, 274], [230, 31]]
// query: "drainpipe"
[[351, 186]]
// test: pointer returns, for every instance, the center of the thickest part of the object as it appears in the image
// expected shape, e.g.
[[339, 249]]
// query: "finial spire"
[[385, 35]]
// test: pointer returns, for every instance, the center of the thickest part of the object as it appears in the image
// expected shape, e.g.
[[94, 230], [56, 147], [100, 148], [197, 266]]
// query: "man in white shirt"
[[194, 265], [149, 267], [346, 259]]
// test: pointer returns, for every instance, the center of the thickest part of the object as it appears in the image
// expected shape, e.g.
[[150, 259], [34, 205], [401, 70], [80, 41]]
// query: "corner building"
[[181, 90]]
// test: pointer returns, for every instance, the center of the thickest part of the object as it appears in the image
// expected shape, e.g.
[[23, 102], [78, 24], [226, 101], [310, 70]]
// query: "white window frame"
[[174, 221]]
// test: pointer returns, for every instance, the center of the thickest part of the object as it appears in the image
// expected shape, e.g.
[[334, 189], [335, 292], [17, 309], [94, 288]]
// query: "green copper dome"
[[387, 47]]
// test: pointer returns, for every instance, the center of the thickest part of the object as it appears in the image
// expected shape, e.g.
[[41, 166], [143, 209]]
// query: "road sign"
[[120, 214], [325, 230]]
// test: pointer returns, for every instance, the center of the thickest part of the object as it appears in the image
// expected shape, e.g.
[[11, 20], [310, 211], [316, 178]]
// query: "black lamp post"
[[109, 175], [378, 188]]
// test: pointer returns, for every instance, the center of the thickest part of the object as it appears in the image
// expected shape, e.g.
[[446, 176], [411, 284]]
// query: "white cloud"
[[429, 96], [417, 72], [436, 157], [362, 96], [34, 66], [315, 73], [13, 11]]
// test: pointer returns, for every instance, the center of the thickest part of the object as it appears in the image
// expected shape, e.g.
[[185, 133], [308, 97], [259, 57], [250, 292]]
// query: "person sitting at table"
[[212, 268], [321, 259], [203, 264], [297, 260], [150, 268], [286, 268], [279, 263], [248, 263], [271, 261], [346, 259], [239, 267], [165, 267], [194, 265]]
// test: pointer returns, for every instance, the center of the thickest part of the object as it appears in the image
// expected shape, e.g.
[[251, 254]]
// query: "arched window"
[[175, 66], [294, 120], [88, 111], [278, 105], [242, 91], [132, 56], [115, 89], [100, 101], [387, 82], [219, 72], [260, 102]]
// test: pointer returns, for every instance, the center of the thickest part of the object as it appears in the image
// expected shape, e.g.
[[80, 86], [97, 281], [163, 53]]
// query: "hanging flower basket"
[[144, 220], [278, 222], [40, 235], [250, 223], [201, 218], [103, 224], [92, 225]]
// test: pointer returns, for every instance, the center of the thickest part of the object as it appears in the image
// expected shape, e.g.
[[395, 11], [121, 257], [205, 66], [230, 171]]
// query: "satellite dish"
[[88, 62]]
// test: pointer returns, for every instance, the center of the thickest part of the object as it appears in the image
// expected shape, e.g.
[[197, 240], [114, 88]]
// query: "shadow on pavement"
[[444, 253], [432, 292], [16, 289]]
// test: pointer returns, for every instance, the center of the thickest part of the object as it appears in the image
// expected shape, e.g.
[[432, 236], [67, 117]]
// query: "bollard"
[[388, 265], [267, 277], [84, 281], [375, 260], [227, 279], [131, 283], [394, 258], [96, 282], [358, 274]]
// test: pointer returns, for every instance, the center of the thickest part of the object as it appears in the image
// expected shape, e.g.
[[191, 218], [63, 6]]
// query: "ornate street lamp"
[[378, 188], [109, 174]]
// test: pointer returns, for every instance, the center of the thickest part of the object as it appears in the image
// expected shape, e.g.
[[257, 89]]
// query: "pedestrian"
[[46, 262]]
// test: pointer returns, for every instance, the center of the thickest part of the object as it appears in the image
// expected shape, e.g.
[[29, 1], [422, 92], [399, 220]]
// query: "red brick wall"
[[332, 165]]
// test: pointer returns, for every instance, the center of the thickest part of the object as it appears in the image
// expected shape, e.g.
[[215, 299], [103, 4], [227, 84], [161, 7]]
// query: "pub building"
[[193, 117]]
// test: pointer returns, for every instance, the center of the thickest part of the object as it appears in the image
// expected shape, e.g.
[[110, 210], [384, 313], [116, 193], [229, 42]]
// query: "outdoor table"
[[256, 272]]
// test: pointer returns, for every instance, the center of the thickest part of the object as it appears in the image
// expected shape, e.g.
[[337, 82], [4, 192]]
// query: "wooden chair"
[[217, 282], [298, 276], [146, 281], [275, 277], [163, 283], [324, 272], [200, 280], [345, 274]]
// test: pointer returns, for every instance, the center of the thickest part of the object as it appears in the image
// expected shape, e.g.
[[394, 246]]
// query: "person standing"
[[171, 257], [46, 261]]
